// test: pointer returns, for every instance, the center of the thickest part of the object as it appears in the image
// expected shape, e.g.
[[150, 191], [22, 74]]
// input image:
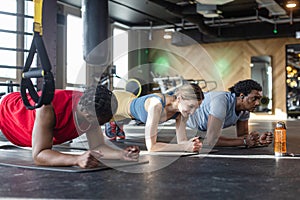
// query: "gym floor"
[[225, 173]]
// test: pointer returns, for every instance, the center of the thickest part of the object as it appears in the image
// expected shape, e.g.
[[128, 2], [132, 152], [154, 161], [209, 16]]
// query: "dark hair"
[[190, 91], [245, 87], [100, 100]]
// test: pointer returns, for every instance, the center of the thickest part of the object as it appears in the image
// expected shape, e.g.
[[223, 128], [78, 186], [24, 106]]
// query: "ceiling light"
[[275, 29], [214, 2], [167, 36], [168, 33], [291, 4], [298, 36], [210, 13]]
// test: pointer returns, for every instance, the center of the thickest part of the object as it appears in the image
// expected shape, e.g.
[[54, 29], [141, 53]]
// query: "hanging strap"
[[37, 46]]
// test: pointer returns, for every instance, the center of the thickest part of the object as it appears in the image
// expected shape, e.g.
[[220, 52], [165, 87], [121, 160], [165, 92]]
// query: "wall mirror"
[[261, 71]]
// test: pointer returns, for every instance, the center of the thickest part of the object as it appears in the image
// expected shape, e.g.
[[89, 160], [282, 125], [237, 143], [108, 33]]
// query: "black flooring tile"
[[176, 178]]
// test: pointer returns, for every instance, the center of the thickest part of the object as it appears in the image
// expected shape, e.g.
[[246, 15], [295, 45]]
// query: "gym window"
[[16, 18], [76, 70], [120, 59]]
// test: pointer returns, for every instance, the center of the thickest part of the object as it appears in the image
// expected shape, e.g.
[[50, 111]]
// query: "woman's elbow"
[[150, 148]]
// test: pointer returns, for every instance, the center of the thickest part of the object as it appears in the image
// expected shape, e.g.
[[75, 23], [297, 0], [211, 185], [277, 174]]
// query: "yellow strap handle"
[[38, 9]]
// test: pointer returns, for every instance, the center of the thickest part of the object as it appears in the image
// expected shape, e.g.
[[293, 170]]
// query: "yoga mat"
[[247, 156], [179, 153], [6, 144], [20, 158]]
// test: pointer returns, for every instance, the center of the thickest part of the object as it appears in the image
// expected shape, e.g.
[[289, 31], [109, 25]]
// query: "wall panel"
[[232, 60], [237, 56]]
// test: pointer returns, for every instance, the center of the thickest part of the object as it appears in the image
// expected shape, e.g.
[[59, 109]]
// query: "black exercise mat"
[[179, 153], [15, 157], [65, 146]]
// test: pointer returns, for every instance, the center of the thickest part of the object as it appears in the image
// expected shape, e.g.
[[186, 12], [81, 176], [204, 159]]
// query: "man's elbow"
[[37, 159]]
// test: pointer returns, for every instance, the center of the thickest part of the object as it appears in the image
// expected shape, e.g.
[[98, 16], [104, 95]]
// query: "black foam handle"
[[36, 73]]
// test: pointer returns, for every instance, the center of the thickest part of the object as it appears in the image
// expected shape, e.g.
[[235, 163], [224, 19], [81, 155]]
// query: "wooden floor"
[[230, 173]]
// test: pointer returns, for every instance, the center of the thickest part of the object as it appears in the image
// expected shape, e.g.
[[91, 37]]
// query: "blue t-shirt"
[[137, 107], [220, 105]]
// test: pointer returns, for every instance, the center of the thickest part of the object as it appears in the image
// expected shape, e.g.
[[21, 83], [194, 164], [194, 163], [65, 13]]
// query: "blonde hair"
[[190, 92]]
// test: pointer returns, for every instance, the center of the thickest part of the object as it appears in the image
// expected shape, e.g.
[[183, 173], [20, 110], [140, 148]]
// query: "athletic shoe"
[[121, 135], [110, 130]]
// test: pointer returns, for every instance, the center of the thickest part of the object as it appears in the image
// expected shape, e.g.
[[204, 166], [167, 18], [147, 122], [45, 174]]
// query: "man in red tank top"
[[70, 114]]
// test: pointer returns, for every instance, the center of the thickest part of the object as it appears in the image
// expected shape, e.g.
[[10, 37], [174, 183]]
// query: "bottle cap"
[[280, 124]]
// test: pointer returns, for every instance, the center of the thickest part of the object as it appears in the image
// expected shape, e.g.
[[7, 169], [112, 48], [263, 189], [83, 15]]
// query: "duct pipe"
[[253, 19], [195, 19]]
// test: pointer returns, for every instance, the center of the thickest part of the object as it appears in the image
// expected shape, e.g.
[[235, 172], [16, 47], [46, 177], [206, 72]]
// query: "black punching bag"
[[95, 31]]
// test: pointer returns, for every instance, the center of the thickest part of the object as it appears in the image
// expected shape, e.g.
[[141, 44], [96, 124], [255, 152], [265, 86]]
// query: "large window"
[[76, 70], [8, 37], [16, 18], [120, 56]]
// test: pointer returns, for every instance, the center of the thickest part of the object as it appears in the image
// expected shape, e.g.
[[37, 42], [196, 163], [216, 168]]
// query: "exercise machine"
[[169, 84], [132, 85]]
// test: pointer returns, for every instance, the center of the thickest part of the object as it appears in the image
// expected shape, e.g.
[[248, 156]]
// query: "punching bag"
[[95, 31]]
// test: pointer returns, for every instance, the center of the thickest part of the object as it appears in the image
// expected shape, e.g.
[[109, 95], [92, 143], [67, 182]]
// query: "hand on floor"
[[89, 159], [131, 153], [252, 139], [266, 138], [193, 145]]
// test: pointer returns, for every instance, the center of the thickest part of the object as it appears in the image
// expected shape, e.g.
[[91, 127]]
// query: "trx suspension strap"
[[37, 46]]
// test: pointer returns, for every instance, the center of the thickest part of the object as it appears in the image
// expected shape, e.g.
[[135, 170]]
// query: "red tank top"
[[16, 122]]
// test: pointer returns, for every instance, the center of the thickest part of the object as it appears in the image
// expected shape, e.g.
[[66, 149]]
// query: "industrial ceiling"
[[208, 20]]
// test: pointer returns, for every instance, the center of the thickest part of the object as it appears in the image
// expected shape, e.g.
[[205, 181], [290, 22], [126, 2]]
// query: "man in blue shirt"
[[223, 109]]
